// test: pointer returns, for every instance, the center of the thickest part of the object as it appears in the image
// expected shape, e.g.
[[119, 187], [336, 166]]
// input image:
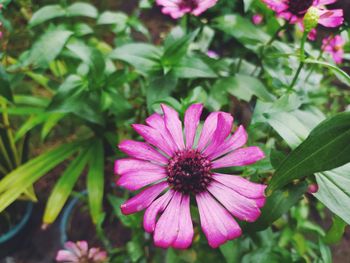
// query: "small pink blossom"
[[170, 168], [178, 8], [212, 54], [79, 252], [334, 45], [257, 19], [294, 11], [312, 188]]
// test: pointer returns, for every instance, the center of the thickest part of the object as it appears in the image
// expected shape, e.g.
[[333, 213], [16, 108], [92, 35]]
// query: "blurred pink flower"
[[334, 45], [171, 169], [79, 252], [257, 19], [178, 8], [294, 11], [312, 188], [212, 54]]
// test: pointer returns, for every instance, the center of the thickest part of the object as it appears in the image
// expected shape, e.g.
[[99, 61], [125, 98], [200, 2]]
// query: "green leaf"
[[334, 191], [118, 19], [18, 181], [131, 221], [82, 9], [5, 89], [276, 205], [247, 4], [326, 148], [50, 122], [95, 181], [243, 30], [48, 47], [47, 13], [145, 58], [193, 67], [32, 122], [64, 186], [336, 232], [160, 87], [176, 49]]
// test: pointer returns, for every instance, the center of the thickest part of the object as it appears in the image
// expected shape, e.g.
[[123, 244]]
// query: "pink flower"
[[334, 46], [257, 19], [312, 188], [173, 169], [178, 8], [212, 54], [79, 252], [294, 11]]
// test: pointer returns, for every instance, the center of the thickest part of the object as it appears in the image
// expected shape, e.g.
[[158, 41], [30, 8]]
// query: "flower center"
[[299, 7], [188, 4], [189, 172]]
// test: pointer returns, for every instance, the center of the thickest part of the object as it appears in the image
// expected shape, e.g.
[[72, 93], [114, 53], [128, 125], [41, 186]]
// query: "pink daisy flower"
[[173, 169], [257, 19], [294, 11], [79, 252], [178, 8], [335, 47]]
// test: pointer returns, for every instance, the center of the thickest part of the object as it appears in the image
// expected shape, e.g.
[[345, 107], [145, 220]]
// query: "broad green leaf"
[[243, 30], [118, 19], [48, 47], [47, 13], [247, 4], [82, 9], [145, 58], [95, 181], [160, 87], [327, 147], [5, 89], [64, 186], [193, 67], [276, 205], [334, 191], [18, 181], [176, 49]]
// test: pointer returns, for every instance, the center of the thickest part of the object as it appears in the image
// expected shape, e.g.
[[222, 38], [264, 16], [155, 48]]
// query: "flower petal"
[[331, 18], [223, 129], [143, 151], [71, 246], [237, 140], [83, 246], [185, 231], [238, 205], [241, 185], [143, 199], [136, 180], [217, 223], [123, 166], [208, 130], [240, 157], [173, 125], [192, 118], [66, 256], [153, 137], [167, 226], [158, 206], [157, 122]]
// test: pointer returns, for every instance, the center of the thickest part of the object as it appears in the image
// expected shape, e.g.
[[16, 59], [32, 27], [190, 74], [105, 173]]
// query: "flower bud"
[[311, 18]]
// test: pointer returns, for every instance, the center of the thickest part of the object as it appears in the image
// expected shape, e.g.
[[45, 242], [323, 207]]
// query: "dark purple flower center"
[[299, 7], [188, 4], [189, 172]]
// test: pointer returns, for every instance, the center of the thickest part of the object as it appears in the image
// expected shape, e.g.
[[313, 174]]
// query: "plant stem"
[[302, 59]]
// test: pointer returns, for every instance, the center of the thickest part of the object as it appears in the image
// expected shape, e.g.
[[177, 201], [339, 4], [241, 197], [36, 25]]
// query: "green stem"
[[102, 236], [301, 64]]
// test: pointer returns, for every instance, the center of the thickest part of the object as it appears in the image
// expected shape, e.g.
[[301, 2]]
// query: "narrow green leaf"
[[336, 232], [50, 122], [326, 148], [32, 122], [16, 182], [95, 181], [64, 186], [5, 89]]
